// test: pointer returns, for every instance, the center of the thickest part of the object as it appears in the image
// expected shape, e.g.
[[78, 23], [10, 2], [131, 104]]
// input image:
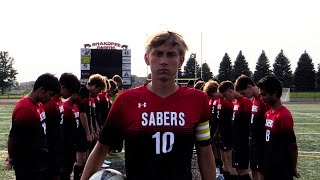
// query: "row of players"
[[71, 116], [152, 151], [251, 129]]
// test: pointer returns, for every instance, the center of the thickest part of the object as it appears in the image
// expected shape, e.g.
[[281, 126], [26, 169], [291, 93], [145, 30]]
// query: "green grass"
[[11, 96], [308, 163], [304, 94]]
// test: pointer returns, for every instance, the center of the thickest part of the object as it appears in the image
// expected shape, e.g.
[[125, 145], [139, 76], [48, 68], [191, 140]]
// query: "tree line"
[[304, 78]]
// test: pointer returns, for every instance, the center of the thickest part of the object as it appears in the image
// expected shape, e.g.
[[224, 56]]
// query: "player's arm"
[[84, 122], [206, 162], [17, 129], [293, 151], [95, 160]]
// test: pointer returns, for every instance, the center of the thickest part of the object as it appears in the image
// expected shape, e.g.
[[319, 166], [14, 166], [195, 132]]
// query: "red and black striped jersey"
[[28, 131], [159, 133], [241, 121], [279, 136], [257, 122], [71, 120]]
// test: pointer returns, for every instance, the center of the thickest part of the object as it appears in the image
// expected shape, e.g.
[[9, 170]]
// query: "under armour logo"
[[140, 104]]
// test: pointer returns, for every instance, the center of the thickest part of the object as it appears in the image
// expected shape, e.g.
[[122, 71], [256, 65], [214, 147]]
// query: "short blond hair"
[[163, 37]]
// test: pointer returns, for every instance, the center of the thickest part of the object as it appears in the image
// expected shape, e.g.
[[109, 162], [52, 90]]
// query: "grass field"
[[307, 128]]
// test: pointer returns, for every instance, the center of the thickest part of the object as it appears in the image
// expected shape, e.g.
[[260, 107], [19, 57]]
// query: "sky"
[[46, 36]]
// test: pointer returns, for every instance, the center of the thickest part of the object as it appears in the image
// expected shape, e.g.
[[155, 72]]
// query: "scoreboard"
[[107, 62]]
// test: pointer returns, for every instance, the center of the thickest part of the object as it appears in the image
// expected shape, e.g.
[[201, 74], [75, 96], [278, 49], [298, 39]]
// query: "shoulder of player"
[[284, 112]]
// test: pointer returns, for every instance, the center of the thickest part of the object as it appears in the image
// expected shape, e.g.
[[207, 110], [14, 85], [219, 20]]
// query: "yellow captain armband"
[[203, 131]]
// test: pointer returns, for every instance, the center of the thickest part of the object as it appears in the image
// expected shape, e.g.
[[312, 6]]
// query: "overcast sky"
[[46, 36]]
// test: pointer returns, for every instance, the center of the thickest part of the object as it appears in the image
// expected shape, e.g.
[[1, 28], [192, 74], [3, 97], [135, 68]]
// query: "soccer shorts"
[[240, 158], [256, 156]]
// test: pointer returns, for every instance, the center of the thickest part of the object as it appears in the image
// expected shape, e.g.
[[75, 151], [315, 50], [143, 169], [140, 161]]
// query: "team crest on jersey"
[[142, 105], [254, 108], [236, 107], [269, 123]]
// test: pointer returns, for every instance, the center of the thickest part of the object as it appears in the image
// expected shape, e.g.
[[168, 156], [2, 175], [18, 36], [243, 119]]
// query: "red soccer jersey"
[[71, 120], [279, 136], [224, 115], [257, 122], [28, 131], [159, 132], [241, 122]]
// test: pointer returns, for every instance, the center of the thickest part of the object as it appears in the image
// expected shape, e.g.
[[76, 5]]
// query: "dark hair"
[[271, 84], [225, 85], [113, 85], [98, 80], [191, 82], [242, 82], [70, 82], [49, 83], [84, 91], [199, 85]]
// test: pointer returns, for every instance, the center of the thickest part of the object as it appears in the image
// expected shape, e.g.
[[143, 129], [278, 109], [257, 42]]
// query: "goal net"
[[285, 97]]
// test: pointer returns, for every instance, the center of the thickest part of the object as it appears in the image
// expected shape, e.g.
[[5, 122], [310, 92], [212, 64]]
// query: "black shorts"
[[27, 175], [55, 163], [256, 156], [82, 143], [225, 143], [69, 154], [240, 158]]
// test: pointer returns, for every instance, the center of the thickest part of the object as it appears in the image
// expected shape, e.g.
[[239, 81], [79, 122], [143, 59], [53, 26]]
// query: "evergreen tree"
[[191, 67], [240, 67], [206, 72], [304, 75], [225, 68], [7, 72], [282, 69], [318, 78], [262, 67]]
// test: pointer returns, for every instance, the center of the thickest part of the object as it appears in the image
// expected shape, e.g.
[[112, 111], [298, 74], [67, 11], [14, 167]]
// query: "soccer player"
[[103, 104], [84, 132], [211, 89], [160, 121], [71, 124], [54, 121], [281, 149], [113, 90], [27, 147], [224, 130], [240, 134], [118, 80], [246, 87]]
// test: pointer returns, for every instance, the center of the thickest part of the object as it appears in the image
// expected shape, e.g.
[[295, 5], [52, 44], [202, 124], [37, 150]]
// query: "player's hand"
[[89, 138], [297, 173]]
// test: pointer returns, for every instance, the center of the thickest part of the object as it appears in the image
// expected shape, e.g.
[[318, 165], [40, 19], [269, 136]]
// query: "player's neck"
[[276, 105], [33, 97], [164, 89]]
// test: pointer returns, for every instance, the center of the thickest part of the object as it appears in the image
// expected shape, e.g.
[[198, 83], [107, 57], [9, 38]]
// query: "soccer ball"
[[107, 174]]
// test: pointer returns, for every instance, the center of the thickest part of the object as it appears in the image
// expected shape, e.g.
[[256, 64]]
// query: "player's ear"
[[181, 61], [146, 59]]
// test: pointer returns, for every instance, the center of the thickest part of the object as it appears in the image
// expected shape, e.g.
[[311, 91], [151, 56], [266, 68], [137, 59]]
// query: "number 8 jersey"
[[159, 133]]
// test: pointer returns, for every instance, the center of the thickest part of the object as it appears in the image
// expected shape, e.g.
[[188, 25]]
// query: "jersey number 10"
[[166, 140]]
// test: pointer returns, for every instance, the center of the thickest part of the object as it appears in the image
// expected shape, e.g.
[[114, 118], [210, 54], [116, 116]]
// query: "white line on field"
[[307, 133], [309, 152], [306, 123]]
